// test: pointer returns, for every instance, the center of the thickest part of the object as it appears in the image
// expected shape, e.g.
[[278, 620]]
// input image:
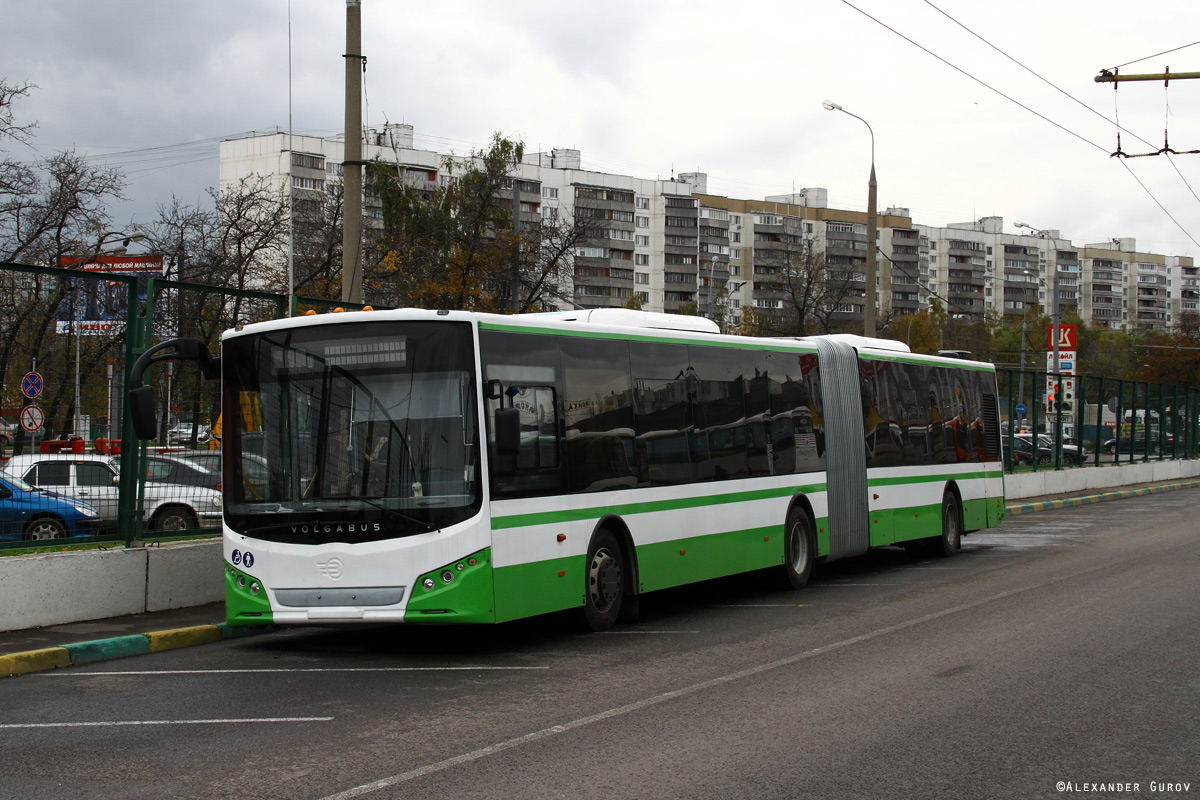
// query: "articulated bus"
[[436, 467]]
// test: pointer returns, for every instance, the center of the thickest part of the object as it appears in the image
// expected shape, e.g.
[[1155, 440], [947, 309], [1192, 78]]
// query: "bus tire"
[[799, 549], [948, 543], [604, 587]]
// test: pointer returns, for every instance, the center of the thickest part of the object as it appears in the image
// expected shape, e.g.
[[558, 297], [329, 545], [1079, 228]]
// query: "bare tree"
[[807, 290]]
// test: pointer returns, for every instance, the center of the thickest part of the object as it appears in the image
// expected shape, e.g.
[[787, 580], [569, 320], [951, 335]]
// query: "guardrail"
[[1057, 421]]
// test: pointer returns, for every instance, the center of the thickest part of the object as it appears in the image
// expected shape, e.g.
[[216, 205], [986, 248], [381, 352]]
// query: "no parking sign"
[[31, 384]]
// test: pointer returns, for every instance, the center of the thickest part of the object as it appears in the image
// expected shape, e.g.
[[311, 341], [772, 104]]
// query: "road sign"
[[31, 384], [1021, 408], [32, 418]]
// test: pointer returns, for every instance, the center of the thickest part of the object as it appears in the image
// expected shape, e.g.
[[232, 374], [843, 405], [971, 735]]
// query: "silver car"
[[91, 478]]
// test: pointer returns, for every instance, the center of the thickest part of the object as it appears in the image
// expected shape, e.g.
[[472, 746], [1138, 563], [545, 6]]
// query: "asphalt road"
[[1056, 656]]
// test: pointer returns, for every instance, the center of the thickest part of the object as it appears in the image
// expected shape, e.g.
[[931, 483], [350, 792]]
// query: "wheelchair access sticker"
[[245, 559]]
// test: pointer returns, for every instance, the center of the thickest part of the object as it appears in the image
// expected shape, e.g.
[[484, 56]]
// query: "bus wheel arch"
[[799, 544]]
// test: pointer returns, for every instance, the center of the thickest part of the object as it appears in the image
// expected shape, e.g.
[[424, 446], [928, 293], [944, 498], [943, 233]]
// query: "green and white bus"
[[436, 467]]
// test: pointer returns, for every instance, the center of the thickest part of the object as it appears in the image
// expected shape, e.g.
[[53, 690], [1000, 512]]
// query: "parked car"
[[93, 479], [27, 512], [181, 434], [1137, 443], [1023, 450], [6, 433], [1072, 452], [1023, 454], [254, 466], [173, 469]]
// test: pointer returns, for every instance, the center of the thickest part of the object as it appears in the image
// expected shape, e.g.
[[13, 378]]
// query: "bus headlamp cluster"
[[447, 574], [242, 581]]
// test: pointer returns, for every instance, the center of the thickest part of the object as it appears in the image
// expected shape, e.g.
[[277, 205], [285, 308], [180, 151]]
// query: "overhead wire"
[[1022, 105], [980, 81], [1033, 72], [1156, 55]]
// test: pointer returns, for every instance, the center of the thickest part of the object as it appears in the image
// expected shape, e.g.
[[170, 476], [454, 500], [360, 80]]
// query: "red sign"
[[1066, 337], [136, 264]]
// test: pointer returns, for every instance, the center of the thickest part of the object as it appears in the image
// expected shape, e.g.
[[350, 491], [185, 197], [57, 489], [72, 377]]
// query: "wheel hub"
[[604, 580]]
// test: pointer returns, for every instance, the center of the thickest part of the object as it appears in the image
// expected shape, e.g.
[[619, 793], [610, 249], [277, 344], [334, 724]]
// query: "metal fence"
[[1056, 421], [67, 340]]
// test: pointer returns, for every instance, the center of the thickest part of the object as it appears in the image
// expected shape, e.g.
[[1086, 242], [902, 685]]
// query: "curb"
[[69, 655], [1050, 505]]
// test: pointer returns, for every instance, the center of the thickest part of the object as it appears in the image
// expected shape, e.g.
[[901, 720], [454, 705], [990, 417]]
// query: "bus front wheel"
[[605, 588], [799, 549]]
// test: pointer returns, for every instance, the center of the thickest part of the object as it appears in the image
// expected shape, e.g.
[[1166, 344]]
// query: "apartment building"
[[674, 247]]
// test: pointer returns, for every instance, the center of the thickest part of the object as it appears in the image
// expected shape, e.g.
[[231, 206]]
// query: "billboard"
[[98, 308]]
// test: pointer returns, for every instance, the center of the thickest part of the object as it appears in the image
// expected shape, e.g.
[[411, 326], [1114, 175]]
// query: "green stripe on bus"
[[672, 504], [957, 476]]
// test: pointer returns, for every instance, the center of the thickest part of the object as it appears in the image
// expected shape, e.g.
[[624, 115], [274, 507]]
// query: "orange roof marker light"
[[312, 312]]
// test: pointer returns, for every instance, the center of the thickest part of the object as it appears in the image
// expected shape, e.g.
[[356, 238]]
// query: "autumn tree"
[[453, 246]]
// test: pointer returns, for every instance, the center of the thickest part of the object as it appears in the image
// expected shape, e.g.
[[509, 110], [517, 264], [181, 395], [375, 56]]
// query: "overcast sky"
[[648, 87]]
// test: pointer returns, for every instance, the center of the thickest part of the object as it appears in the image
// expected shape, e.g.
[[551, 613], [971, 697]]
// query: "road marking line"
[[159, 722], [626, 633], [68, 673], [620, 711]]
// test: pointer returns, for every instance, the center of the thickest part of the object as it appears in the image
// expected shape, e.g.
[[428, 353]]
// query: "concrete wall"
[[1093, 480], [58, 588]]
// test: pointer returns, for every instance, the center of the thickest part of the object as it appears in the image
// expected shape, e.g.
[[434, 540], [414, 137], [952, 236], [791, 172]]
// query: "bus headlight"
[[428, 584], [447, 576]]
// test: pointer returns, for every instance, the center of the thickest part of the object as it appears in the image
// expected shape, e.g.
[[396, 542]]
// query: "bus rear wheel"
[[949, 542], [605, 582], [799, 549]]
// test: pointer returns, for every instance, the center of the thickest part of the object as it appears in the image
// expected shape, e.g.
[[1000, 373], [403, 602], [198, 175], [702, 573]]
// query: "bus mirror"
[[141, 408], [492, 389], [508, 431]]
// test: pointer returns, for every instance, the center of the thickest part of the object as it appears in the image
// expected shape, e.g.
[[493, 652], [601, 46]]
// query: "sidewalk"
[[38, 649]]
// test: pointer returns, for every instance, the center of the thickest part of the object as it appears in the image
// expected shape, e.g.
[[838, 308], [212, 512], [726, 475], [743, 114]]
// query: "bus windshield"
[[350, 432]]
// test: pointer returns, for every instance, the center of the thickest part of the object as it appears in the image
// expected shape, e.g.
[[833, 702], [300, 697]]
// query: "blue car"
[[27, 512]]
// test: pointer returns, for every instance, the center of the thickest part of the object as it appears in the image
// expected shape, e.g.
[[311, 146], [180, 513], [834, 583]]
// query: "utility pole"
[[352, 162], [516, 223]]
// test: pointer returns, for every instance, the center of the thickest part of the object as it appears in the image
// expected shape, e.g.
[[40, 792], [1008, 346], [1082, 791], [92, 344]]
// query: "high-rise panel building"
[[669, 245]]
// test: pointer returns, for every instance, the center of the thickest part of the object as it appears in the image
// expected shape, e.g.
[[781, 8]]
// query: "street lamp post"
[[1024, 339], [871, 304], [708, 300], [1054, 314]]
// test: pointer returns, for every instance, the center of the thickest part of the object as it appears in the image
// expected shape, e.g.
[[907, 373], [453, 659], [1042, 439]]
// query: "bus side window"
[[521, 371]]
